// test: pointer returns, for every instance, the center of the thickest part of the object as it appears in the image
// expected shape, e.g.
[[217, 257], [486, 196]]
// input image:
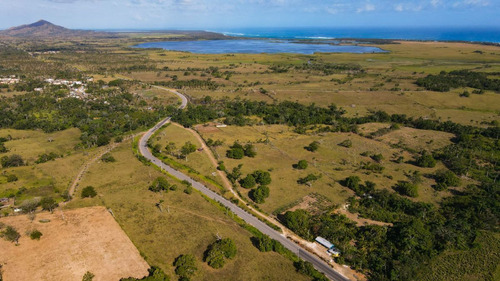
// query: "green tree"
[[30, 205], [262, 177], [170, 148], [236, 151], [217, 252], [187, 149], [259, 194], [88, 192], [299, 222], [185, 266], [352, 182], [248, 181], [48, 203], [155, 274], [301, 165]]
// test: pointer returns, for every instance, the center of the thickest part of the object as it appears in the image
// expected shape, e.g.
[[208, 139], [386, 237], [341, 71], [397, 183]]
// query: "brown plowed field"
[[73, 242]]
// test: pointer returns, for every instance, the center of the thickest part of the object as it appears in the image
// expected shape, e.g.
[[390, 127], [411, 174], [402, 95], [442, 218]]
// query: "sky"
[[220, 14]]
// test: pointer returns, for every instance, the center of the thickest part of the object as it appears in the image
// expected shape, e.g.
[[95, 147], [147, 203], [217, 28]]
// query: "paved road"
[[247, 217]]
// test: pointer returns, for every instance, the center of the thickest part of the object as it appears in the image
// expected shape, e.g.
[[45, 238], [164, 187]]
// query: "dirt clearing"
[[73, 242]]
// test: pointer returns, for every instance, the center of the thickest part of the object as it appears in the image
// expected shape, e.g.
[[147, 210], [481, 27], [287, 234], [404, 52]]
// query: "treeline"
[[445, 81], [323, 67], [99, 119], [193, 84], [290, 113]]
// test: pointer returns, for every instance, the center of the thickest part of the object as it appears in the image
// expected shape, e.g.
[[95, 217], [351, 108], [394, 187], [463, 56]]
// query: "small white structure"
[[327, 244]]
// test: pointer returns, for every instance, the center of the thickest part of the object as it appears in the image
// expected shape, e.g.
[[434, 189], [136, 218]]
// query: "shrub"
[[313, 146], [10, 234], [406, 188], [445, 178], [249, 150], [35, 235], [88, 276], [347, 143], [46, 157], [88, 191], [14, 160], [108, 158], [301, 165], [185, 266], [426, 160], [308, 179], [155, 274], [11, 178], [377, 157], [159, 184], [188, 189]]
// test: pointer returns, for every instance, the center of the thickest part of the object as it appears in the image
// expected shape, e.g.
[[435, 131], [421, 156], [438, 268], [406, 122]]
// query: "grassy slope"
[[47, 178], [333, 161], [189, 227]]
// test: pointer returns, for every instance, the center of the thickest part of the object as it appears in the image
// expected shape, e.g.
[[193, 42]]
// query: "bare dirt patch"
[[417, 139], [207, 128], [314, 203], [73, 242], [359, 221]]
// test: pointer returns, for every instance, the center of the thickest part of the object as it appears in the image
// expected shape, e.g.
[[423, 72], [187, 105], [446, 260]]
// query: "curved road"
[[247, 217]]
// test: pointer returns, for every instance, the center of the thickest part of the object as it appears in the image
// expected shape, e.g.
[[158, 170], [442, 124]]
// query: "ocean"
[[471, 34]]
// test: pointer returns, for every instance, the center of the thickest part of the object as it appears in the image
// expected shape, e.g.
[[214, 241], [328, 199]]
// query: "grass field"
[[197, 160], [187, 224], [332, 161], [45, 179]]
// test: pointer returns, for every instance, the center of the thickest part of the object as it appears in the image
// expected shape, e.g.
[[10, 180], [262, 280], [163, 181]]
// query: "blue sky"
[[219, 14]]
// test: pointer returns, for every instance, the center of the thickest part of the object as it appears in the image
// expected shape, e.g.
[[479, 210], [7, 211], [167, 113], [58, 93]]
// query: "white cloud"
[[366, 8]]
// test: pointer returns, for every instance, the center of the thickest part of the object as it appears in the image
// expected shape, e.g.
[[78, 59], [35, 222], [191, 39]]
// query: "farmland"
[[396, 172]]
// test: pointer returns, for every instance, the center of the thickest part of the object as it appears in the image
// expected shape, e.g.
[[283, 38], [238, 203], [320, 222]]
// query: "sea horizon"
[[485, 34]]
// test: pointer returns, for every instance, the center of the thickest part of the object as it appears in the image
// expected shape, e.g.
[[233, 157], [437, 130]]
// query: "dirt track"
[[87, 239]]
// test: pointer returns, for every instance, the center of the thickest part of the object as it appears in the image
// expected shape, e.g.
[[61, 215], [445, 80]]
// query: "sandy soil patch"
[[207, 128], [360, 221], [73, 242]]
